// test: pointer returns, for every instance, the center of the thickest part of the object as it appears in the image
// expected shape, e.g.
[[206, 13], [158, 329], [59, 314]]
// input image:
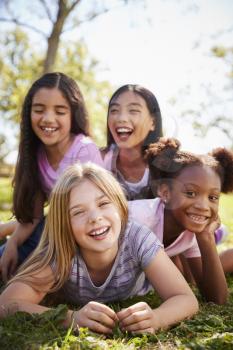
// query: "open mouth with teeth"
[[99, 233], [48, 130], [124, 132], [198, 219]]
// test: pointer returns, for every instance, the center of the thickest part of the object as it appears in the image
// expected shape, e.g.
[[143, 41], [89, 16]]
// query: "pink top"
[[150, 212], [83, 149]]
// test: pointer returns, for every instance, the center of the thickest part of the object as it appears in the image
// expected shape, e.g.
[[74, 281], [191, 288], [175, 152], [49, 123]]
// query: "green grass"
[[211, 328]]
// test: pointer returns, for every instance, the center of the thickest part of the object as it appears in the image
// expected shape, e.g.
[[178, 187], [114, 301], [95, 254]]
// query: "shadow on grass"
[[211, 328]]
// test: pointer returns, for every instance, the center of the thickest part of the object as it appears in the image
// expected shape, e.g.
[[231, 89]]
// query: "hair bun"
[[225, 159]]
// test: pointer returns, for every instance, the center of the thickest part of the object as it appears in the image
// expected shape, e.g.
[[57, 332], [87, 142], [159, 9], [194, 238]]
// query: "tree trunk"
[[54, 38]]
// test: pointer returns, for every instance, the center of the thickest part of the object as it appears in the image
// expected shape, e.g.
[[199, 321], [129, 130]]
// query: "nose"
[[122, 116], [202, 202], [95, 215], [48, 117]]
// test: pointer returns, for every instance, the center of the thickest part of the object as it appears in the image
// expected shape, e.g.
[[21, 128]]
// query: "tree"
[[21, 65], [57, 13]]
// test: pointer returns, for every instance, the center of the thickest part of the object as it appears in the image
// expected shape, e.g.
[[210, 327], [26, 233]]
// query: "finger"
[[145, 331], [98, 327], [135, 318], [102, 318], [104, 309], [4, 273], [131, 310], [137, 326]]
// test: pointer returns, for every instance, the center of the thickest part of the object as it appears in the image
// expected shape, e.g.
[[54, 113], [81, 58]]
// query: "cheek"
[[110, 122]]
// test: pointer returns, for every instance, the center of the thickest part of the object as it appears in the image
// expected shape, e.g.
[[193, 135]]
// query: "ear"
[[164, 193], [152, 128]]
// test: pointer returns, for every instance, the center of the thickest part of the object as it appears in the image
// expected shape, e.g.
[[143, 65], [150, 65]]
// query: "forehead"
[[129, 97], [85, 192], [202, 176], [49, 96]]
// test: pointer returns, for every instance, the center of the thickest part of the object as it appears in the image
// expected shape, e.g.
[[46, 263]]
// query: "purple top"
[[83, 149], [150, 212]]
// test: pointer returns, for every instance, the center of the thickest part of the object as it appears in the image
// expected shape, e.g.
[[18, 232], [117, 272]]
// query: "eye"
[[104, 203], [38, 111], [134, 111], [60, 112], [113, 110], [78, 213], [214, 198], [190, 194]]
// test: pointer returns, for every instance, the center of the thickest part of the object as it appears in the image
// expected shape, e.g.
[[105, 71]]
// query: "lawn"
[[211, 328]]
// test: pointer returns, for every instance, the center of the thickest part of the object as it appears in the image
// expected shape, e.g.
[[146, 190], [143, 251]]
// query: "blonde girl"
[[91, 255]]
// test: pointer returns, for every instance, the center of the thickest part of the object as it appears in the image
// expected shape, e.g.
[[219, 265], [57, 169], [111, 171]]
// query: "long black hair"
[[152, 105], [26, 180]]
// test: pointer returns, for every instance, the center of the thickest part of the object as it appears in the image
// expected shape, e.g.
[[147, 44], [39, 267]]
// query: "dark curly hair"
[[166, 161], [26, 180]]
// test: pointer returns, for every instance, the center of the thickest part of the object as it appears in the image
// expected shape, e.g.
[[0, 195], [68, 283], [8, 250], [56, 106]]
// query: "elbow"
[[218, 299], [195, 306]]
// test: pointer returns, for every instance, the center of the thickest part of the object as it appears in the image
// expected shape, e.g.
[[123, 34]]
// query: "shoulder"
[[108, 154], [142, 243], [83, 140], [139, 236]]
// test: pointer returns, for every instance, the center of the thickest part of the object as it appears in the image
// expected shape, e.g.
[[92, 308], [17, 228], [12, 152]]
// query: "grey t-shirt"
[[137, 247]]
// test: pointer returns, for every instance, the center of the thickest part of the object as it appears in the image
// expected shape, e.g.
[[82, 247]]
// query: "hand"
[[9, 260], [138, 318], [96, 316], [212, 226]]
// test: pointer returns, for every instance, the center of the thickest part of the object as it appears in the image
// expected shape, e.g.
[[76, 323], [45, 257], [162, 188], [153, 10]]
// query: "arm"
[[226, 258], [7, 228], [207, 270], [22, 231], [179, 301], [19, 296]]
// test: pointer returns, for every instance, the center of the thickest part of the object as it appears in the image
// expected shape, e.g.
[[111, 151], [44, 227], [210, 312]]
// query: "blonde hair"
[[57, 246]]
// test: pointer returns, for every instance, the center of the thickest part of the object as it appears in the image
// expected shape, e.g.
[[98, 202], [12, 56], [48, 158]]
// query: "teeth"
[[48, 129], [123, 130], [198, 218], [99, 231]]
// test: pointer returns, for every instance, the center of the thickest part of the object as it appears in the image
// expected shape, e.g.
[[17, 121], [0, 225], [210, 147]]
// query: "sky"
[[166, 47]]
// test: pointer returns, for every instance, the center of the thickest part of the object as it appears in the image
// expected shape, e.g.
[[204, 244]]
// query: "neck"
[[132, 155], [55, 153], [171, 229], [131, 164], [99, 264]]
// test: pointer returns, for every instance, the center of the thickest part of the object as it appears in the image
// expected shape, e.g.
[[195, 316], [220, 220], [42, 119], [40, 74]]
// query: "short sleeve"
[[144, 244], [89, 152]]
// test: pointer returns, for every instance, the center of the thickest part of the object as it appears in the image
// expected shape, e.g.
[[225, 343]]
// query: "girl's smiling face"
[[193, 198], [129, 120], [95, 220], [51, 117]]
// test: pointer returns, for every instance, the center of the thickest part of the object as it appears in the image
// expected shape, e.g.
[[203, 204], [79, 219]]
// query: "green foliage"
[[75, 61], [21, 64]]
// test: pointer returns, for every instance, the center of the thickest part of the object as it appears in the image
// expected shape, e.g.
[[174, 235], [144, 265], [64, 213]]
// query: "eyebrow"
[[136, 104], [97, 199], [195, 185], [42, 105]]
